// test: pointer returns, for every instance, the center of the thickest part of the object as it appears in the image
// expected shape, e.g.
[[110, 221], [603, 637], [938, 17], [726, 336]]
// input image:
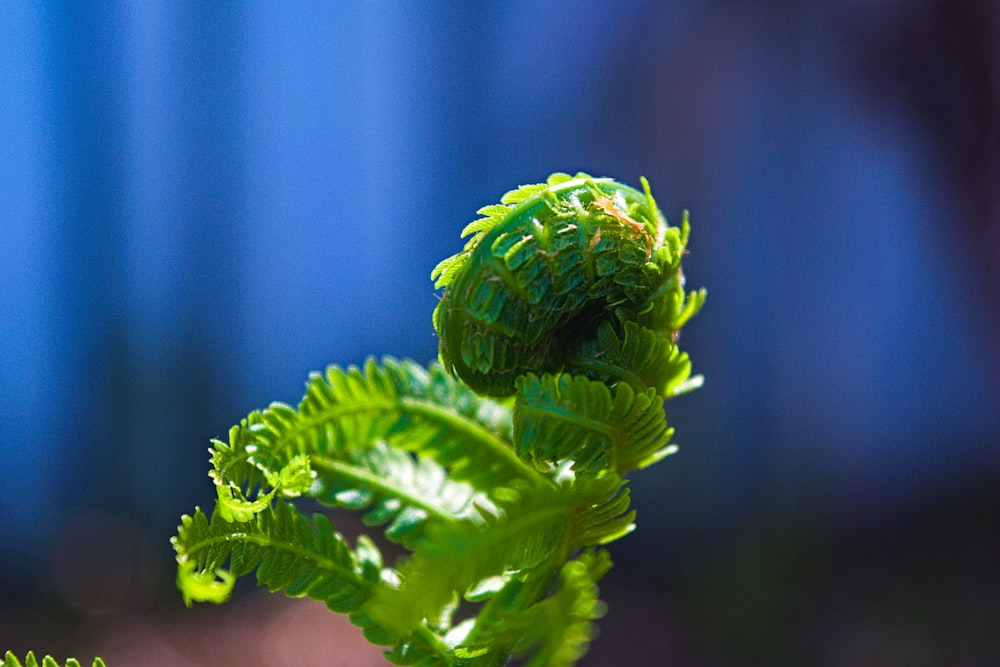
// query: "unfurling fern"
[[501, 469]]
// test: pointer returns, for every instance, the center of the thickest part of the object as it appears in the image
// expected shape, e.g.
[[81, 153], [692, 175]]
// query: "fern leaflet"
[[569, 417], [11, 660], [556, 631]]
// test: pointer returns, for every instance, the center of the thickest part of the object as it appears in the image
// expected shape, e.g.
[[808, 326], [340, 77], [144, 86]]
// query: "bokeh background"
[[202, 202]]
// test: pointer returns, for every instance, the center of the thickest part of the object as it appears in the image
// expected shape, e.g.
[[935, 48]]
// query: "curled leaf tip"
[[555, 272]]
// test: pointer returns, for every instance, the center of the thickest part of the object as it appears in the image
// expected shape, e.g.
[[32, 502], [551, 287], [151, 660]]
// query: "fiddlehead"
[[577, 274], [501, 469]]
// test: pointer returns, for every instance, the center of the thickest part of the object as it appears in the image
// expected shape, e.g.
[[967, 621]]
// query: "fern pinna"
[[501, 468], [9, 659]]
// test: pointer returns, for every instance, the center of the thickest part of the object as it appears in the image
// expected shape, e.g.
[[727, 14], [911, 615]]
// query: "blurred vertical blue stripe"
[[31, 354]]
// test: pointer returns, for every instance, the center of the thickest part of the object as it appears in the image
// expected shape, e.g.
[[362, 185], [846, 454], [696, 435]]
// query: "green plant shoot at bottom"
[[11, 660]]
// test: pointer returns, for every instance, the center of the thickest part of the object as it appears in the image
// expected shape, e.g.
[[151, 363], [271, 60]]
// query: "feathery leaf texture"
[[289, 551], [532, 529], [535, 282], [500, 469], [556, 631], [571, 418], [345, 412], [11, 660]]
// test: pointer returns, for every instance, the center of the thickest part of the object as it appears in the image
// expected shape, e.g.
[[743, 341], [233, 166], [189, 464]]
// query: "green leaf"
[[537, 279], [419, 410], [529, 531], [565, 417], [196, 585], [337, 427], [529, 534], [290, 552], [235, 476], [604, 510], [11, 660], [446, 270], [397, 489], [520, 194], [634, 354], [557, 631]]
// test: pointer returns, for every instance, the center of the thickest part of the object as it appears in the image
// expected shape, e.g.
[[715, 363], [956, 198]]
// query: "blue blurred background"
[[201, 203]]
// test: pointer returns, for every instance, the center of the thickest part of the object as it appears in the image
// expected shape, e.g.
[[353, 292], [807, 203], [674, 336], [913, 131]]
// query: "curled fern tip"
[[577, 274]]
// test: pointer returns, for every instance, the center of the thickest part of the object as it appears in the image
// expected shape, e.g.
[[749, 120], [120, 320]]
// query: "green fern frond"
[[494, 214], [670, 307], [605, 510], [634, 354], [290, 552], [393, 487], [566, 302], [522, 193], [11, 660], [423, 411], [526, 533], [535, 282], [690, 307], [423, 648], [344, 414], [522, 541], [446, 270], [555, 632], [298, 556], [572, 418], [235, 476]]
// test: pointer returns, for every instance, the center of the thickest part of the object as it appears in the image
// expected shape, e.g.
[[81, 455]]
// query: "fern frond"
[[421, 411], [570, 417], [522, 193], [298, 556], [567, 302], [493, 215], [669, 307], [290, 552], [562, 626], [605, 513], [556, 631], [422, 647], [528, 532], [634, 354], [11, 660], [397, 489], [235, 476], [538, 279], [344, 414]]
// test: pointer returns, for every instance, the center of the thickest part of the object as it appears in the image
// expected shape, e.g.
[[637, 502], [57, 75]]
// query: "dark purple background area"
[[201, 204]]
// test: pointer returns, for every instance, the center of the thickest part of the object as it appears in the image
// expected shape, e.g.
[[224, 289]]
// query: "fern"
[[11, 660], [556, 631], [586, 423], [501, 469], [344, 413], [289, 551]]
